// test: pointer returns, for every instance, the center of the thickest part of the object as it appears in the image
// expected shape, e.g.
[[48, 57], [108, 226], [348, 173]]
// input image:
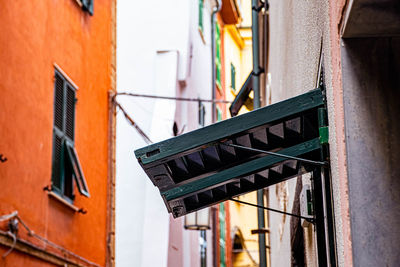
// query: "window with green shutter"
[[200, 22], [219, 114], [218, 65], [233, 77], [65, 164], [222, 235]]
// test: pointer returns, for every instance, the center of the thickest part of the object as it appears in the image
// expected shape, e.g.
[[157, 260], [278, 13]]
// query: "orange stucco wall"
[[36, 35]]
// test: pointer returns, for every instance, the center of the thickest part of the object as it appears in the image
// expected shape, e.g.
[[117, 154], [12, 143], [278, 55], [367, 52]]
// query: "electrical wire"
[[33, 234], [133, 123], [8, 216], [9, 233], [176, 98]]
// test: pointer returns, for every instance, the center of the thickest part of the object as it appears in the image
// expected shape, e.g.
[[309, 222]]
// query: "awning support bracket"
[[311, 220], [313, 162]]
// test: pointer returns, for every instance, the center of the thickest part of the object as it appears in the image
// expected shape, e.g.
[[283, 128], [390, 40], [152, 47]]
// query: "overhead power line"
[[176, 98], [15, 215], [133, 123]]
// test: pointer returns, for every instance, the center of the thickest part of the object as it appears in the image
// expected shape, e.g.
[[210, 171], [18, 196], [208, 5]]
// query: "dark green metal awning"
[[201, 168]]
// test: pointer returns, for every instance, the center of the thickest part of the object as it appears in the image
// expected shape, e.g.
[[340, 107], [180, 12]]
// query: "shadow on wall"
[[371, 88]]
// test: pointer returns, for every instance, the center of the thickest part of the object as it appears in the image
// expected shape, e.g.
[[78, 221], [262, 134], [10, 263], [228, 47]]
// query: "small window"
[[66, 169], [233, 77], [87, 5]]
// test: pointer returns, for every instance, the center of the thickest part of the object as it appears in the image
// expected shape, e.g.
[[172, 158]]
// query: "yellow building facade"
[[238, 65]]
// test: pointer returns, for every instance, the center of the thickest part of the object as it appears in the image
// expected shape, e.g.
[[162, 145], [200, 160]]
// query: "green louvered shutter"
[[65, 163], [200, 21], [87, 5], [219, 114], [218, 62], [58, 137], [222, 235]]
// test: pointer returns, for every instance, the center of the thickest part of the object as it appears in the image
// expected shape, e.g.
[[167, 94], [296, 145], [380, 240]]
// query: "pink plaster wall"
[[336, 11]]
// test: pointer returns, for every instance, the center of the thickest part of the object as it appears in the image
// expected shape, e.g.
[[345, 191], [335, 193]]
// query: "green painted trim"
[[218, 56], [75, 165], [323, 135], [206, 136], [244, 169], [200, 19], [219, 114], [222, 234]]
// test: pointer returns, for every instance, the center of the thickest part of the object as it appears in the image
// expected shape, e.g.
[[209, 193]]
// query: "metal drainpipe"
[[216, 9], [256, 103]]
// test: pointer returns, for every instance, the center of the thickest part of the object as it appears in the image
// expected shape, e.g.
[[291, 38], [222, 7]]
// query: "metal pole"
[[319, 216], [213, 106], [271, 209], [313, 162], [213, 117], [256, 103], [327, 196], [213, 69], [256, 56]]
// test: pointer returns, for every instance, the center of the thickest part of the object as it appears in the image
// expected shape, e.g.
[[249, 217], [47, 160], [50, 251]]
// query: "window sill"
[[56, 197]]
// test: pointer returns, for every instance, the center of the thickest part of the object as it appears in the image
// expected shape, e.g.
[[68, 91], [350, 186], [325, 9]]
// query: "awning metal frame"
[[313, 162], [226, 159], [311, 220]]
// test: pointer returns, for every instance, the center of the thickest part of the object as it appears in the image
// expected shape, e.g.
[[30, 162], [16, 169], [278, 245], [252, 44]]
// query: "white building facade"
[[162, 51]]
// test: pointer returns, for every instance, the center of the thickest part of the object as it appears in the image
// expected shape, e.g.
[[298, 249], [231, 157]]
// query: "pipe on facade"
[[256, 103], [256, 55], [216, 9]]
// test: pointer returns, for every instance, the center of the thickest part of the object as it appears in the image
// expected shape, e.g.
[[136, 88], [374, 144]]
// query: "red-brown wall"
[[36, 35]]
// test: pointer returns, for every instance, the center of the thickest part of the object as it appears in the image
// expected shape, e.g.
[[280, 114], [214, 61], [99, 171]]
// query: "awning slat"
[[246, 173], [224, 129], [249, 167]]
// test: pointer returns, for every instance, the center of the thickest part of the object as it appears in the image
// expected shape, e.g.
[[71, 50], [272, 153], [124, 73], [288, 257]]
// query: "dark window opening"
[[233, 77]]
